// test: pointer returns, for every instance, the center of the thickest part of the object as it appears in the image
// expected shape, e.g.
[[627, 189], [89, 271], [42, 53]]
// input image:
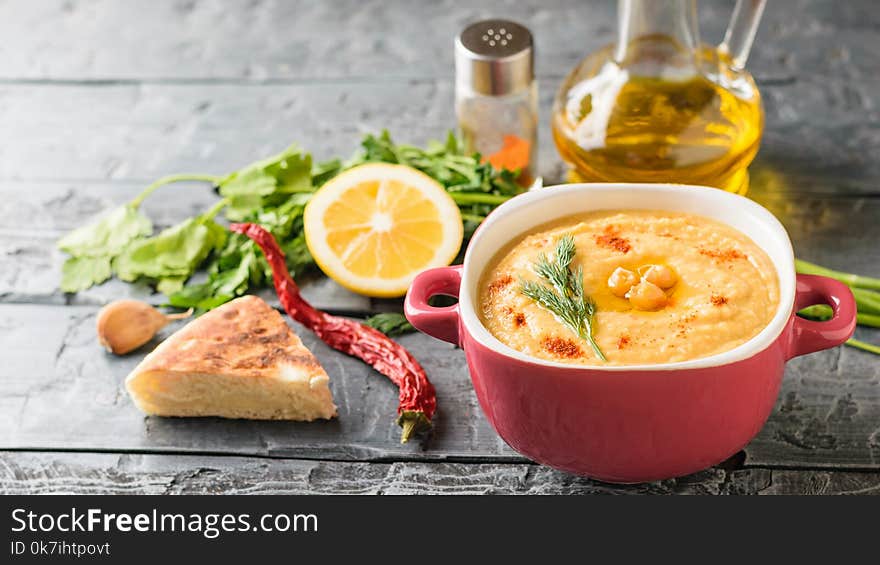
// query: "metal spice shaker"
[[496, 96]]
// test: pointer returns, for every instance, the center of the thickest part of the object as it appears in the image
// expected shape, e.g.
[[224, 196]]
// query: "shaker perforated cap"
[[494, 57]]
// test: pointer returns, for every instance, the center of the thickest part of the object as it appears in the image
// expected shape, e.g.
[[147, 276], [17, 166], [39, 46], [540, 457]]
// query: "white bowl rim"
[[785, 274]]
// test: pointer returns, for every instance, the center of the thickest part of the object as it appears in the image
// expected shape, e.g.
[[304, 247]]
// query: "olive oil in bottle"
[[659, 106]]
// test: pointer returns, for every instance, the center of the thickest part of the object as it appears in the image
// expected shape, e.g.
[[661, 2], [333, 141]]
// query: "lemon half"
[[375, 226]]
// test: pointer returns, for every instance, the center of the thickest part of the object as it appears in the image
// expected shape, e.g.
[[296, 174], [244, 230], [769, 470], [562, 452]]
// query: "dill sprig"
[[565, 297]]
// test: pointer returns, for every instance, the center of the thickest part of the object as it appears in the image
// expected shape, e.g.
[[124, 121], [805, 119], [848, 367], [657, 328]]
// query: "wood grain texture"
[[92, 473], [378, 40], [820, 136], [142, 131]]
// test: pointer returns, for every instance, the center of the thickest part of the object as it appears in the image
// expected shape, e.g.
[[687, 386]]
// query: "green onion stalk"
[[866, 291]]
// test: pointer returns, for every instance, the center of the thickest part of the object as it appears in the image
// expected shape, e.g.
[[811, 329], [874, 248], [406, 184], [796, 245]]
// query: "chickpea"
[[660, 275], [620, 281], [647, 296]]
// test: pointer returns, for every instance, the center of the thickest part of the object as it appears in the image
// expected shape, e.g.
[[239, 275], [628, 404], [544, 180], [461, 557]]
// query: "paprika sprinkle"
[[417, 399]]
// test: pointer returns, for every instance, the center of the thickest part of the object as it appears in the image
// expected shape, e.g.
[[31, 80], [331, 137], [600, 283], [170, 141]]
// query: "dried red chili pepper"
[[417, 398]]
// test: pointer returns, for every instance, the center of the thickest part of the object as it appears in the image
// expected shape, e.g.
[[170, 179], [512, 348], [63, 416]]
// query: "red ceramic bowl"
[[639, 422]]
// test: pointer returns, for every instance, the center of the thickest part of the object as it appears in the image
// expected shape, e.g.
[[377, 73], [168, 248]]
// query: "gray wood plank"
[[820, 136], [828, 413], [33, 473], [835, 232], [259, 41], [92, 473], [74, 132], [141, 132], [59, 389], [52, 208]]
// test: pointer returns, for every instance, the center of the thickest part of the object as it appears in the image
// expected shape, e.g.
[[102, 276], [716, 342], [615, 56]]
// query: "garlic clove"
[[125, 325]]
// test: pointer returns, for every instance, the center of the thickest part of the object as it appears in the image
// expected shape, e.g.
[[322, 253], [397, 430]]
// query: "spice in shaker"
[[496, 96]]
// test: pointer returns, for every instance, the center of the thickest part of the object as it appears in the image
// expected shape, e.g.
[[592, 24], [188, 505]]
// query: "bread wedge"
[[240, 360]]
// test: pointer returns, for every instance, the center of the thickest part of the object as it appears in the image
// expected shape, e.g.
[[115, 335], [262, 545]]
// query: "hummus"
[[725, 292]]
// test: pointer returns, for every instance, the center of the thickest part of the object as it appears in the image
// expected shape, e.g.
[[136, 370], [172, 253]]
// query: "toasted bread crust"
[[245, 336], [244, 344]]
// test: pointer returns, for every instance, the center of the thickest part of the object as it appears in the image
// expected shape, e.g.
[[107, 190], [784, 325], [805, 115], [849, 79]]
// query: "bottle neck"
[[646, 24]]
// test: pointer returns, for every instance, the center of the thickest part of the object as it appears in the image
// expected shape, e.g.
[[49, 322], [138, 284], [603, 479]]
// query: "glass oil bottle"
[[659, 106]]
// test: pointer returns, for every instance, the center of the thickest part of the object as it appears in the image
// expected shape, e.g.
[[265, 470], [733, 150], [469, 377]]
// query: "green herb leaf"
[[322, 172], [93, 247], [390, 323], [236, 280], [174, 253], [297, 254], [108, 235], [476, 187], [200, 297], [565, 297], [170, 285], [267, 183], [239, 265], [80, 273]]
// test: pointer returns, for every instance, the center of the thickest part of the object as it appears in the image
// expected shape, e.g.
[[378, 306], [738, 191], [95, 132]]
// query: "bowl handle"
[[441, 323], [808, 335]]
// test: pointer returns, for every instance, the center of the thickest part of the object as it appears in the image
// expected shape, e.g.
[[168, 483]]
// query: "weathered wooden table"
[[97, 98]]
